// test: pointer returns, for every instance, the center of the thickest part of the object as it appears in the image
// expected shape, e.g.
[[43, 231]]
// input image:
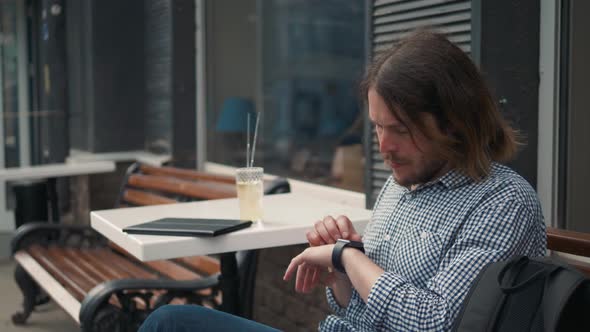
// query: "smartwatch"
[[339, 248]]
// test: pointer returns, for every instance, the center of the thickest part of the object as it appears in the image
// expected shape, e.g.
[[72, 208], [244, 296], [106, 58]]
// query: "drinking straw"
[[254, 141], [248, 141]]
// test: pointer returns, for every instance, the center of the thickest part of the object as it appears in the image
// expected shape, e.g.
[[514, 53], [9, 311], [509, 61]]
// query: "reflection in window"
[[308, 63]]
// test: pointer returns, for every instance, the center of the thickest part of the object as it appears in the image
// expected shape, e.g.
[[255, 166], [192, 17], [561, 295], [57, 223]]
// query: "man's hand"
[[312, 258], [328, 230], [325, 231]]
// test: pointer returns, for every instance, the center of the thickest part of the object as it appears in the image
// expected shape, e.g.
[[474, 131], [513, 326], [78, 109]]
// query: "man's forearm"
[[361, 271], [342, 289]]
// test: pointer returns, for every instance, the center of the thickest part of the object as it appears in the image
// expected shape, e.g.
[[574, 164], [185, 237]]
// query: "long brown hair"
[[426, 73]]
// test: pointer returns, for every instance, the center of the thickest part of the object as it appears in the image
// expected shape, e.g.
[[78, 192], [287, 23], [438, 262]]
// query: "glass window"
[[122, 79], [301, 77], [9, 106]]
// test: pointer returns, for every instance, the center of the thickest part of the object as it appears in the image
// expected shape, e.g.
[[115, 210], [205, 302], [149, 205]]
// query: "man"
[[448, 209]]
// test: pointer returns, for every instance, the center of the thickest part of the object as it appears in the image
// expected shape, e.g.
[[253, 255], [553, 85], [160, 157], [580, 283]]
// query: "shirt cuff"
[[336, 308], [380, 297]]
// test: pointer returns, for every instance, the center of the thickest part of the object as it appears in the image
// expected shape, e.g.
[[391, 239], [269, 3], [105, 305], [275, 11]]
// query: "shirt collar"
[[452, 179]]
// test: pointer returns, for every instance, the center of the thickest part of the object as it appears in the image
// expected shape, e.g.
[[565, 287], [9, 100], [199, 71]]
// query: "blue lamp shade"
[[234, 115]]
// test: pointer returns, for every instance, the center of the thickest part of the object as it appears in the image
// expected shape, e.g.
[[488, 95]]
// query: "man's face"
[[412, 161]]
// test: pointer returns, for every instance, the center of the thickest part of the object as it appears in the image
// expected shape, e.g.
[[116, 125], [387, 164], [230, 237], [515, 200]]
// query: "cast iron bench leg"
[[30, 291]]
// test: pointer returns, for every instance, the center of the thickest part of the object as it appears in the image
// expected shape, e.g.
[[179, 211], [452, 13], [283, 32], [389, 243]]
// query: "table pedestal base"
[[230, 283]]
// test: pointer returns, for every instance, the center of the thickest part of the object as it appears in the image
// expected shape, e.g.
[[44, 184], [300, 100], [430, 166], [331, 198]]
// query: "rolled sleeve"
[[381, 296]]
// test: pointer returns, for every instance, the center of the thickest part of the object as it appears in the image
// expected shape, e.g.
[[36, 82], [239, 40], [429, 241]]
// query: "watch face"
[[343, 240]]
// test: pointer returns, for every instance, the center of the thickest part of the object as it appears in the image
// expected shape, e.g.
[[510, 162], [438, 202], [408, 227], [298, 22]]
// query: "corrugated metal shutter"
[[390, 21]]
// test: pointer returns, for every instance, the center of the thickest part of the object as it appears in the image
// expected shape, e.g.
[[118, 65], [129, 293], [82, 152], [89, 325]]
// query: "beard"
[[420, 172]]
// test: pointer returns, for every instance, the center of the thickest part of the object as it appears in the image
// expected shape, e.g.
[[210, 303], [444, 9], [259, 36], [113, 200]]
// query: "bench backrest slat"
[[151, 185], [142, 198], [186, 174], [188, 188]]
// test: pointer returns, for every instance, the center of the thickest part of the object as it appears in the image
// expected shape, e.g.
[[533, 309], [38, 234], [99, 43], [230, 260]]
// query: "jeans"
[[197, 318]]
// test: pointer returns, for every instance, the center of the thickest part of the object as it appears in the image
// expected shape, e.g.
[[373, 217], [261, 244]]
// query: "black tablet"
[[188, 226]]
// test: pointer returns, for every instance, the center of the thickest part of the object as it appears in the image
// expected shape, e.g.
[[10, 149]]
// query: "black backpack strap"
[[483, 302], [516, 265], [559, 288]]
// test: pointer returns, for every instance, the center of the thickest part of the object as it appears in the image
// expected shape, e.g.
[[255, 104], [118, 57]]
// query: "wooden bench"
[[104, 288], [561, 242]]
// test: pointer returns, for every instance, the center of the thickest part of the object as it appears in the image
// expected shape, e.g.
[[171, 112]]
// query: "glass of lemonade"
[[249, 187]]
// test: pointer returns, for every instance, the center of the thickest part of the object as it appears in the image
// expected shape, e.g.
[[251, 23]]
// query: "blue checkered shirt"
[[432, 242]]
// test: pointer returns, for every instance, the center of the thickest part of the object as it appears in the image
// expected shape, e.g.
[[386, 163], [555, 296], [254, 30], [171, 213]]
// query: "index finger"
[[345, 226]]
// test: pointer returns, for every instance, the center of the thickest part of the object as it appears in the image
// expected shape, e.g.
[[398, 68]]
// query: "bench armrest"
[[570, 242], [44, 233], [101, 293]]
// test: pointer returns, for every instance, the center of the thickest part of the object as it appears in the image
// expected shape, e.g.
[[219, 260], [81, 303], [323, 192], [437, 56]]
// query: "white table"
[[50, 172], [286, 219]]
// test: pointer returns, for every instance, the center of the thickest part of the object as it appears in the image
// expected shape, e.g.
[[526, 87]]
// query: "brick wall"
[[275, 301]]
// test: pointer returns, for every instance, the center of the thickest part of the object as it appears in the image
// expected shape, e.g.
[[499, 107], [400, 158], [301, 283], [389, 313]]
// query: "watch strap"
[[339, 248]]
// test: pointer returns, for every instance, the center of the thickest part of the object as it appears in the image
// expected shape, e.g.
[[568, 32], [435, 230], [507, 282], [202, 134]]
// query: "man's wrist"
[[350, 255]]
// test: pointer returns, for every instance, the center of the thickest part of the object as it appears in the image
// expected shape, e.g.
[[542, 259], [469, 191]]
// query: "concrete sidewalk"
[[48, 317]]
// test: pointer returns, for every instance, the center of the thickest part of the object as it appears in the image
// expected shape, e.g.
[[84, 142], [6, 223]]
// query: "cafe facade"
[[178, 82]]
